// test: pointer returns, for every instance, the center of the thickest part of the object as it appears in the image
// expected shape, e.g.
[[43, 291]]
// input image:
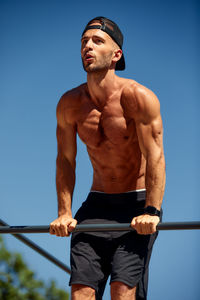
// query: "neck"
[[101, 85]]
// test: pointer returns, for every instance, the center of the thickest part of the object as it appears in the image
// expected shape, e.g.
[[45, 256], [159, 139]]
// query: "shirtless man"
[[119, 121]]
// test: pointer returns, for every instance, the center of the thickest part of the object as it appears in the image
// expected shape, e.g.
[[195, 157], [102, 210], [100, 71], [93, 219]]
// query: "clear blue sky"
[[39, 61]]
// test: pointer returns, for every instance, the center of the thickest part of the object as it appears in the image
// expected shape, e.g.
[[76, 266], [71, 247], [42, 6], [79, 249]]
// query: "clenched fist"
[[145, 224], [63, 226]]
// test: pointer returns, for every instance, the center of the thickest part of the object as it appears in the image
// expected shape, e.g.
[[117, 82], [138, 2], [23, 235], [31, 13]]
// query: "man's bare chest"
[[109, 125]]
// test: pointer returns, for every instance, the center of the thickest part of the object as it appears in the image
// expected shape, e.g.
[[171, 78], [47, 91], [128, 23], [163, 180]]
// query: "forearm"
[[155, 181], [65, 181]]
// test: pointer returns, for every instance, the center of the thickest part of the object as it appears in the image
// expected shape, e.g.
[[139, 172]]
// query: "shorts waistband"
[[133, 191], [97, 196]]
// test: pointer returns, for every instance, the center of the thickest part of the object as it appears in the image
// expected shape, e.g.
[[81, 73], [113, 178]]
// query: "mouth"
[[88, 57]]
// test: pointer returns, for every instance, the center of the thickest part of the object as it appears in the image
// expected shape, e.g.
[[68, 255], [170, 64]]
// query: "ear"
[[117, 55]]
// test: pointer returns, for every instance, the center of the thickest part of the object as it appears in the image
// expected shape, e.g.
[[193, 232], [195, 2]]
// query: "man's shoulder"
[[137, 97], [132, 89], [73, 94], [69, 103]]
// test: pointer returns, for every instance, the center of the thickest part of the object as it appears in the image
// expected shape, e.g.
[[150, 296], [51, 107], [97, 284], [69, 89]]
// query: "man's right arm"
[[65, 171]]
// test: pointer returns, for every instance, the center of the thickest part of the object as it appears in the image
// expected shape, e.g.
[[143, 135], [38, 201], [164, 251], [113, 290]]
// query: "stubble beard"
[[101, 65]]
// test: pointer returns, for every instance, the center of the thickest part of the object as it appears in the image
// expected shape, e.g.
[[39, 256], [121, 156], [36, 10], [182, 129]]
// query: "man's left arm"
[[150, 135]]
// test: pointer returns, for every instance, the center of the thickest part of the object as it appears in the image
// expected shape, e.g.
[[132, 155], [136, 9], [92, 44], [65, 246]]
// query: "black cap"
[[113, 31]]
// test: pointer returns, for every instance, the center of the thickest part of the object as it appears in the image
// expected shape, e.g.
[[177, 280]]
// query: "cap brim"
[[120, 65]]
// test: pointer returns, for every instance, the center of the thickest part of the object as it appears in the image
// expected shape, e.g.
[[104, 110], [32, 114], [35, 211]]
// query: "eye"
[[84, 42], [99, 41]]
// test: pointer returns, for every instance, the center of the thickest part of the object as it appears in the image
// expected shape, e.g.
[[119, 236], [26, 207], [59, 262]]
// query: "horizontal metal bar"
[[127, 226], [100, 227], [34, 246]]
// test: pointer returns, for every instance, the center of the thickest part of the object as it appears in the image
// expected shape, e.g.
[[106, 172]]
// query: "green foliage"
[[17, 281]]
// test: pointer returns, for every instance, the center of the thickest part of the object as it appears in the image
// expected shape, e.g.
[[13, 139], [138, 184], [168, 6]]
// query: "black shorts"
[[122, 255]]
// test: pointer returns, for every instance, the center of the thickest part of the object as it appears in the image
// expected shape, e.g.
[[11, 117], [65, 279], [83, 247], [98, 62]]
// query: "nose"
[[88, 45]]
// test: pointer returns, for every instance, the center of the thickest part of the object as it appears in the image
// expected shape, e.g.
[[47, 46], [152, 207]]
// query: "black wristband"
[[151, 210]]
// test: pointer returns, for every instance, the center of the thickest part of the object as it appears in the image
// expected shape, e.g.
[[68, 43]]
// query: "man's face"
[[97, 50]]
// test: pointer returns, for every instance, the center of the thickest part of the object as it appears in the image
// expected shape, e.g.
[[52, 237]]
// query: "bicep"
[[149, 123], [150, 137], [66, 133], [66, 143]]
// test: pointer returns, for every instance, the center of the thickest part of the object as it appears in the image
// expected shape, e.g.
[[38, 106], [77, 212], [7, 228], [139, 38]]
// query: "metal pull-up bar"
[[100, 227]]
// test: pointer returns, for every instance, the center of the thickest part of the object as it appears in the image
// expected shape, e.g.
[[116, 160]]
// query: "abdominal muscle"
[[117, 170]]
